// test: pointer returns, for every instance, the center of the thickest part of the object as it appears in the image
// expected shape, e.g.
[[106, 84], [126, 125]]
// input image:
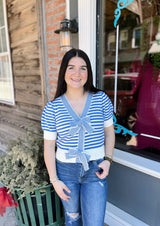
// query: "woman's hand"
[[60, 187], [105, 166]]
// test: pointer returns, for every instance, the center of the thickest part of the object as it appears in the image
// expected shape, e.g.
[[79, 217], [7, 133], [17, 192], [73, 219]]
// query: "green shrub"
[[23, 166]]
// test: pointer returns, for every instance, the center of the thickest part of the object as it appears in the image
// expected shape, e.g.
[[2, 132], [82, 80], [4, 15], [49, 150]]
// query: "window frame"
[[139, 163], [7, 53]]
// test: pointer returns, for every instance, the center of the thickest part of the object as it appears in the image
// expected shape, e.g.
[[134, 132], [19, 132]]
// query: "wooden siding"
[[24, 36]]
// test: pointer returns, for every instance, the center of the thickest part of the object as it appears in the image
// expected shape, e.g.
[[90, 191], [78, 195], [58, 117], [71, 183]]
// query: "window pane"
[[1, 14], [1, 43], [111, 41], [4, 44], [5, 80], [123, 39], [138, 80], [137, 37]]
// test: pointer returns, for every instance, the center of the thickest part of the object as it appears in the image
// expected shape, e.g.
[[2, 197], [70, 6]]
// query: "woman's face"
[[76, 73]]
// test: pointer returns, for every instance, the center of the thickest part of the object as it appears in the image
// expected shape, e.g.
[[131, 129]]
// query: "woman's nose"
[[77, 72]]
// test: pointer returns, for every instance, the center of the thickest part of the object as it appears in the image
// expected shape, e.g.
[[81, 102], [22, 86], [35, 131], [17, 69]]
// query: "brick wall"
[[54, 13]]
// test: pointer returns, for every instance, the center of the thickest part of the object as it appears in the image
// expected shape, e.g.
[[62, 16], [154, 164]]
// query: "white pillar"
[[67, 9], [87, 30]]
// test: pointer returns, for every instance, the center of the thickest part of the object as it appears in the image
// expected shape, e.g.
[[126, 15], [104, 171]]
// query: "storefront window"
[[137, 110], [6, 80]]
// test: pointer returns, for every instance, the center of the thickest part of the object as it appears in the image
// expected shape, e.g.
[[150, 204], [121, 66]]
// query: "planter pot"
[[42, 208]]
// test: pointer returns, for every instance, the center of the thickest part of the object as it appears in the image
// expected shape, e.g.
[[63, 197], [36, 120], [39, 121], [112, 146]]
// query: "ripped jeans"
[[88, 194]]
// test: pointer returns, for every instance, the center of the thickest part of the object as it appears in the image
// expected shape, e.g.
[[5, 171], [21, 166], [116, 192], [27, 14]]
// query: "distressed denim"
[[88, 194]]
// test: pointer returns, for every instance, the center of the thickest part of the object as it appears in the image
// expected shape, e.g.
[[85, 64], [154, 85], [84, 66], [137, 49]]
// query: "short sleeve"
[[107, 110], [48, 122]]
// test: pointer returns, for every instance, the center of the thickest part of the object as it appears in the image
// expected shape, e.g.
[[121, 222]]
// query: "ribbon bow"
[[81, 123], [6, 200], [80, 157]]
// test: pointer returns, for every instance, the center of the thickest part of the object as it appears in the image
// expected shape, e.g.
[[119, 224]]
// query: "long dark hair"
[[62, 86]]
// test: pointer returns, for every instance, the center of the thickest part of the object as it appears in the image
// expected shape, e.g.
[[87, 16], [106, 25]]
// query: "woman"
[[81, 117]]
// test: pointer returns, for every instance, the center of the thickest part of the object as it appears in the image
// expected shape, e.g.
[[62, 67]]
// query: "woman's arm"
[[50, 161], [49, 157], [109, 140], [109, 148]]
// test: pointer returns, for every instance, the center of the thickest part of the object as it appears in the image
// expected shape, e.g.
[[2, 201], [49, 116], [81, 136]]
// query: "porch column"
[[87, 30]]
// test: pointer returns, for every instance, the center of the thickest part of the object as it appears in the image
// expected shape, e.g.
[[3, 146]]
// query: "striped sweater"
[[75, 135]]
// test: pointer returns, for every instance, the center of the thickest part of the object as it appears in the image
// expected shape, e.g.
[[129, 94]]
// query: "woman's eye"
[[83, 68], [70, 68]]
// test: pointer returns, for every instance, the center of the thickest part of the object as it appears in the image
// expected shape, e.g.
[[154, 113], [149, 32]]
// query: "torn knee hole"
[[73, 215]]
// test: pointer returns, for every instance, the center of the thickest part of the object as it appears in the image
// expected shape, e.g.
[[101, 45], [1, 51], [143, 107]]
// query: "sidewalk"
[[9, 218]]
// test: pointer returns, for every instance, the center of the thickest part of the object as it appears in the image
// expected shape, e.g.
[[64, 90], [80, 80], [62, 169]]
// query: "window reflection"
[[138, 82]]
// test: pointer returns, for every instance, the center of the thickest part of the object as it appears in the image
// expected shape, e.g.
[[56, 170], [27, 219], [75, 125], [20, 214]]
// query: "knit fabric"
[[76, 135]]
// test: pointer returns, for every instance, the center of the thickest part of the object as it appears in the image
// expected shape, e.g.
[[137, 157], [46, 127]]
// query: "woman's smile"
[[76, 80]]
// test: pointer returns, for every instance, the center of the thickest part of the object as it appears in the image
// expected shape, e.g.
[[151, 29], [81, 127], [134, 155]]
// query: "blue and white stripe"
[[59, 119]]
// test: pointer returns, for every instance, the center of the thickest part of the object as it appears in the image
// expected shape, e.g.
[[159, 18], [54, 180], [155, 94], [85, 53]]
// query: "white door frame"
[[87, 30]]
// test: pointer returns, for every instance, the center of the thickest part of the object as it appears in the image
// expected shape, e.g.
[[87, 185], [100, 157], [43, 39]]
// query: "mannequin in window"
[[147, 95]]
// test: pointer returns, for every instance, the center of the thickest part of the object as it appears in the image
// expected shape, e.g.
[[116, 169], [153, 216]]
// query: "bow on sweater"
[[81, 123], [80, 157], [80, 126], [6, 200]]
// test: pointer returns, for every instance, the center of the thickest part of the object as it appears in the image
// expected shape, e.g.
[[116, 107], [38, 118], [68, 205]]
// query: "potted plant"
[[23, 171]]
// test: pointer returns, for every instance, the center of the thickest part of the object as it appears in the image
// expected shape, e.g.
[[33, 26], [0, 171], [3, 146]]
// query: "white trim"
[[117, 217], [138, 163], [49, 135], [109, 122], [94, 153], [9, 55], [87, 30], [68, 9], [150, 136], [116, 69]]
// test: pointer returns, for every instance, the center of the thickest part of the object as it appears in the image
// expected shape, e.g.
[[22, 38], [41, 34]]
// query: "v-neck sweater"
[[77, 136]]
